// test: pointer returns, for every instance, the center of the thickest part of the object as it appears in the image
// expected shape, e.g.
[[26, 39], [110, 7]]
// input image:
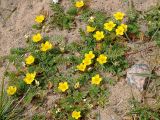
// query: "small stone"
[[137, 75]]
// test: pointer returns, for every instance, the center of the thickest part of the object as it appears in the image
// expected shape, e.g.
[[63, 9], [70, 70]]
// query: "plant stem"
[[128, 37]]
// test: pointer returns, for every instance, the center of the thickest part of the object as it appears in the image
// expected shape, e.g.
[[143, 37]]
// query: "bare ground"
[[17, 17]]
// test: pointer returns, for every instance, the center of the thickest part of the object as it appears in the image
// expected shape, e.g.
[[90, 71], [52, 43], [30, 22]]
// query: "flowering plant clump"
[[80, 84], [106, 40]]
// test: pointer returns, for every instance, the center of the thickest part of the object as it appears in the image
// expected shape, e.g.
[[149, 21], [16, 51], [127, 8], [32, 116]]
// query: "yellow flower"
[[102, 59], [37, 37], [63, 86], [76, 114], [29, 78], [11, 90], [29, 60], [90, 55], [39, 19], [77, 85], [46, 46], [109, 26], [124, 26], [79, 4], [99, 35], [96, 79], [90, 29], [119, 15], [81, 67], [87, 61], [120, 30]]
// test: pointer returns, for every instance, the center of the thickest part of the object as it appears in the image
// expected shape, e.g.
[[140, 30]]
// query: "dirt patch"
[[17, 17]]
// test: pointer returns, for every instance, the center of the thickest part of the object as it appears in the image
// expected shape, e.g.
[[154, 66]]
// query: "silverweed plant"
[[77, 71]]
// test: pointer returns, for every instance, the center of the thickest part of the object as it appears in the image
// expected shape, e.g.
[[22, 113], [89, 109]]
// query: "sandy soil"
[[17, 17]]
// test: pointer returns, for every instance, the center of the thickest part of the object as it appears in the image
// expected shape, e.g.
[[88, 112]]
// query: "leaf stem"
[[128, 37]]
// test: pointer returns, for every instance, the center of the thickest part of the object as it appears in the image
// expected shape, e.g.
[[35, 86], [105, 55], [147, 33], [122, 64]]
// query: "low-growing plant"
[[62, 19], [76, 71], [133, 17], [153, 17], [141, 111]]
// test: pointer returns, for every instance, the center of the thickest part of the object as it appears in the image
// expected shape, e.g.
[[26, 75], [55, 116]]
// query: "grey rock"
[[137, 76]]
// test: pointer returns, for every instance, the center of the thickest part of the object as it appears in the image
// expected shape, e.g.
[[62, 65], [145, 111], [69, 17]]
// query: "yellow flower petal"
[[30, 77], [124, 26], [11, 90], [87, 61], [120, 30], [63, 86], [46, 46], [102, 59], [40, 18], [90, 55], [90, 29], [96, 79], [119, 15], [37, 37], [29, 60], [76, 114], [81, 67], [109, 26], [79, 4], [99, 35]]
